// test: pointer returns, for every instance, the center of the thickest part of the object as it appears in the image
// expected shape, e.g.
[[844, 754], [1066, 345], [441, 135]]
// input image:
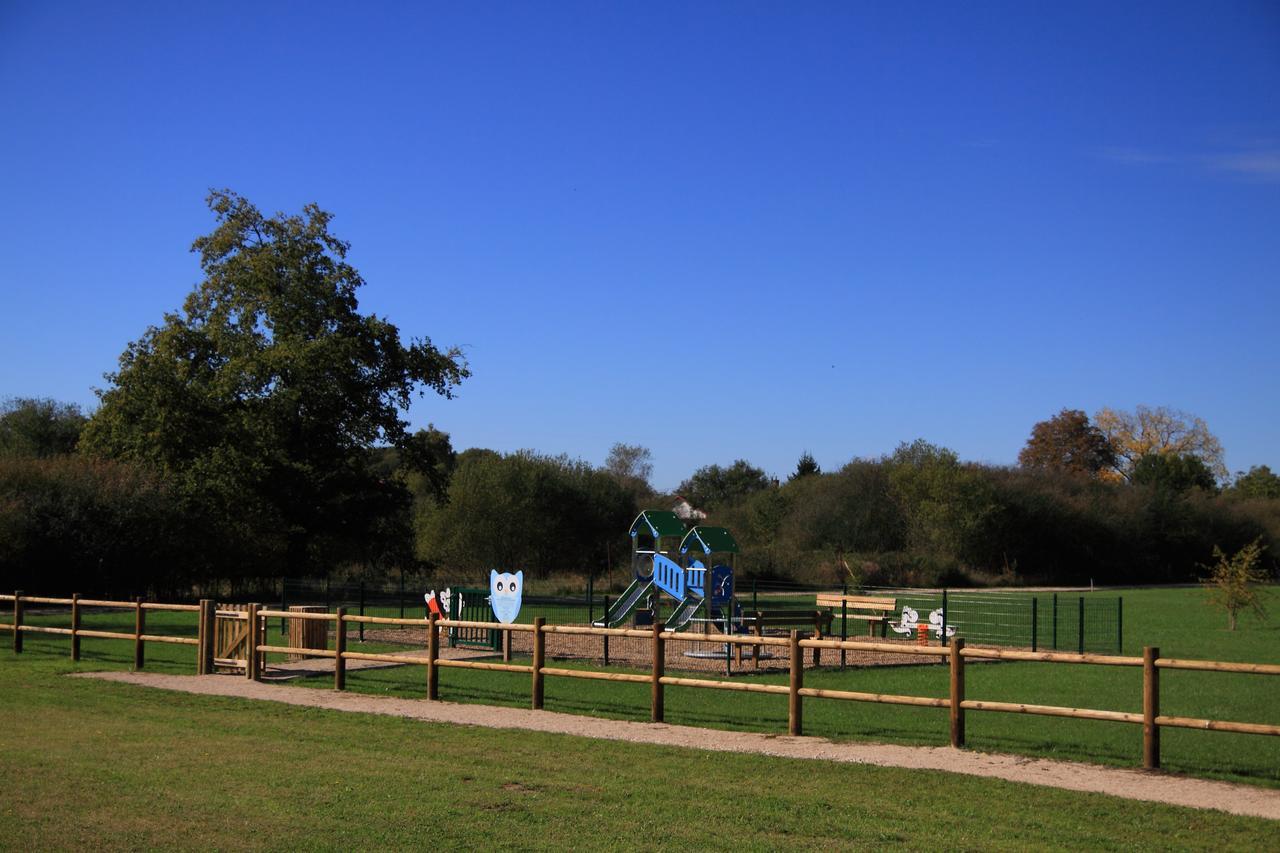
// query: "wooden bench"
[[757, 620], [874, 609]]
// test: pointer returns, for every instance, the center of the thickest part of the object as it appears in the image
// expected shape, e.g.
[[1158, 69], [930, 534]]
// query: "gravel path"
[[1130, 784]]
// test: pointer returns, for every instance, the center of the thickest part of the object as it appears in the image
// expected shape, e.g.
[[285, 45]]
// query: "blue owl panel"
[[505, 591]]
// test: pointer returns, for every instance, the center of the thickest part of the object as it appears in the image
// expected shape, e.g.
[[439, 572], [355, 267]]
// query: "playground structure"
[[668, 558]]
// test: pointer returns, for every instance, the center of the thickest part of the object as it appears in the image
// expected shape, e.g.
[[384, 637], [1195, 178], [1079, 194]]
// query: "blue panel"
[[721, 584], [668, 576]]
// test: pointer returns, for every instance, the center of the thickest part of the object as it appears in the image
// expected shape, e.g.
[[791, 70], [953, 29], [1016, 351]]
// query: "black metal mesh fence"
[[1042, 620]]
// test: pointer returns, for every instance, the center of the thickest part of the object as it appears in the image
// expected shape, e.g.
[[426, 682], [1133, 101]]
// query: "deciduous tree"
[[1174, 472], [1135, 434], [1232, 582], [712, 486], [1259, 482], [1068, 442], [264, 395], [39, 428], [632, 466]]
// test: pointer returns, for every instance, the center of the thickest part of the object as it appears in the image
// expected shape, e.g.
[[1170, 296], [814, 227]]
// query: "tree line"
[[258, 432]]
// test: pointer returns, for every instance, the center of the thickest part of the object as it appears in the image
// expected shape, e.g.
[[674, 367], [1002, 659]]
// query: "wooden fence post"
[[251, 651], [1150, 708], [208, 616], [795, 718], [657, 702], [957, 692], [339, 649], [433, 652], [539, 653], [17, 622], [75, 626], [200, 638], [139, 628]]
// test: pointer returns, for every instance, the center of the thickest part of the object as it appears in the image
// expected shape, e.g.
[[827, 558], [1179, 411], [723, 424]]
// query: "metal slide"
[[684, 612], [622, 608]]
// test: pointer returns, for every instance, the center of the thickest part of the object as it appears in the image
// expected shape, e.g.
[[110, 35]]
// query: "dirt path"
[[1130, 784]]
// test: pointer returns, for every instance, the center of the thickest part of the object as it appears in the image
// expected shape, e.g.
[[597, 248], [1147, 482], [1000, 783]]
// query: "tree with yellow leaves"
[[1161, 430]]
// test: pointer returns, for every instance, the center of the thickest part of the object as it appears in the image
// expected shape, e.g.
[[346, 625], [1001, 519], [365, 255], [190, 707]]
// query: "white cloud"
[[1261, 165], [1258, 162]]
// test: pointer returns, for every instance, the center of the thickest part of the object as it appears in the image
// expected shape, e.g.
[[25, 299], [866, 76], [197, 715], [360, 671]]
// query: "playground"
[[791, 669], [669, 567]]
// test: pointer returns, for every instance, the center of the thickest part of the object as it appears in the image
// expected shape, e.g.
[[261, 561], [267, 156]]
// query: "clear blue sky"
[[719, 231]]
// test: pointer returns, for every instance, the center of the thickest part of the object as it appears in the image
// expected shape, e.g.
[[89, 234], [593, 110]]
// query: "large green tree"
[[264, 397], [712, 486], [1259, 482], [39, 427], [1173, 472], [524, 511]]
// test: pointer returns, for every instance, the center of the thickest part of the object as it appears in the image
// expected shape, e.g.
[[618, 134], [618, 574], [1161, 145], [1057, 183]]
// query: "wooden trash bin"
[[308, 633]]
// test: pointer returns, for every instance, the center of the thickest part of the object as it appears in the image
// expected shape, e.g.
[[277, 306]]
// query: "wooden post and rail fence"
[[253, 619]]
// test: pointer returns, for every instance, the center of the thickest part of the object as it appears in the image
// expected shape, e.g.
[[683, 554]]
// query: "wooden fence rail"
[[956, 703], [139, 636]]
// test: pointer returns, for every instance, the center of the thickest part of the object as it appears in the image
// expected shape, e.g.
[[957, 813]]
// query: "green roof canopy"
[[709, 540], [657, 523]]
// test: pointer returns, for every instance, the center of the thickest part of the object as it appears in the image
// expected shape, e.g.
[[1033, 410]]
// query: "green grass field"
[[1175, 619], [110, 766]]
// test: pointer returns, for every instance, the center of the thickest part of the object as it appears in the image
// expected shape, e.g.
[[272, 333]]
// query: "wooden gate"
[[231, 638]]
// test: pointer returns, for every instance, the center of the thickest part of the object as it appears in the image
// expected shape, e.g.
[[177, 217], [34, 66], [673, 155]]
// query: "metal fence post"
[[942, 635], [1034, 619], [657, 707], [1082, 624], [606, 636], [1119, 624], [362, 610], [402, 593], [1055, 621]]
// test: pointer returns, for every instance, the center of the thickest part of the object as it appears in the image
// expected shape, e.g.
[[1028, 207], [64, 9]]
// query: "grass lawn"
[[110, 766]]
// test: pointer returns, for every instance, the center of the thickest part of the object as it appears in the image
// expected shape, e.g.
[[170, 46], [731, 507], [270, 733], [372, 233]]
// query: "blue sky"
[[716, 230]]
